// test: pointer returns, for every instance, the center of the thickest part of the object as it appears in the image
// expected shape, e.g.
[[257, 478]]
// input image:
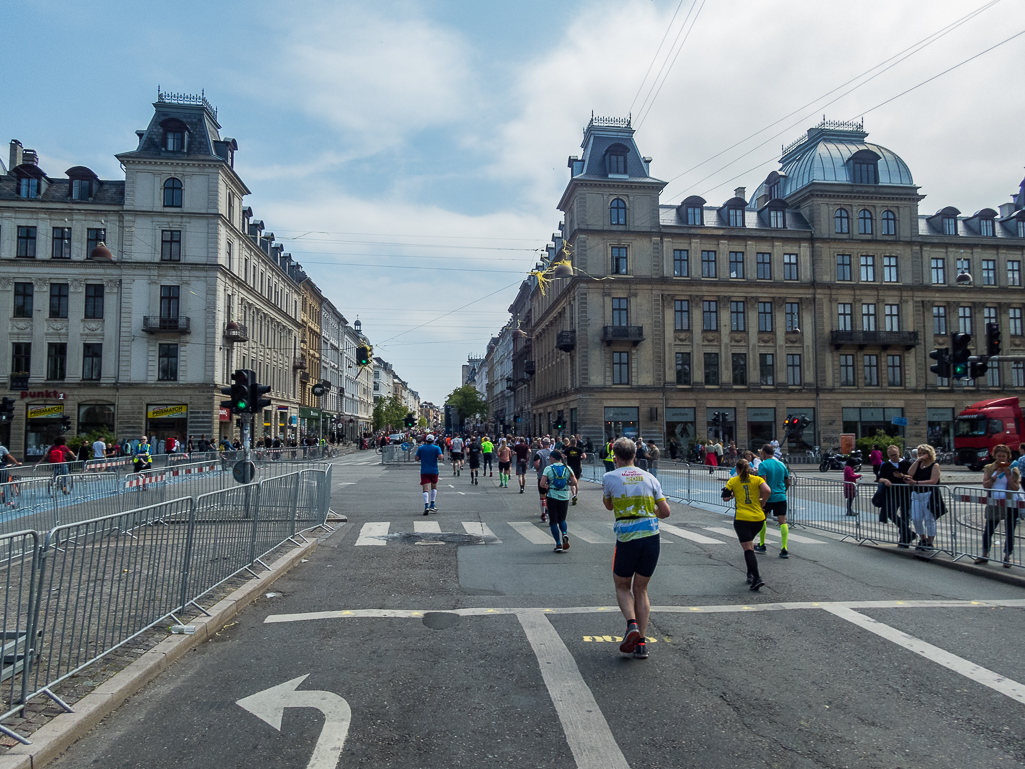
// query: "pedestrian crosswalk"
[[376, 533]]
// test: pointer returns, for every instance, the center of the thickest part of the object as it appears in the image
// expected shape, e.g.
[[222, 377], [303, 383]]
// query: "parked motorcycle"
[[836, 461]]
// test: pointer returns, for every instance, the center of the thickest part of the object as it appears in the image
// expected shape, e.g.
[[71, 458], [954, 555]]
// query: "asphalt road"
[[467, 642]]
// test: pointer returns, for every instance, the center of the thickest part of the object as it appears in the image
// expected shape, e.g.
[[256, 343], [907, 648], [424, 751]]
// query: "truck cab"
[[984, 425]]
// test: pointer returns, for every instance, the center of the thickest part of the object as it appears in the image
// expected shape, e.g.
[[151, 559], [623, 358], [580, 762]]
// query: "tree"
[[389, 412], [468, 402]]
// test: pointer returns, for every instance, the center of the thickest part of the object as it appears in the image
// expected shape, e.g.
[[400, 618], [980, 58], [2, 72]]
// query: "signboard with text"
[[45, 412], [167, 412]]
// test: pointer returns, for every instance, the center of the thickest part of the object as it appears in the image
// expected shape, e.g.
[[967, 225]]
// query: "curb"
[[1006, 576], [52, 739]]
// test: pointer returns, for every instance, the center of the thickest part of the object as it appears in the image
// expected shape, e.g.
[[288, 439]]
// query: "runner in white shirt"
[[456, 453]]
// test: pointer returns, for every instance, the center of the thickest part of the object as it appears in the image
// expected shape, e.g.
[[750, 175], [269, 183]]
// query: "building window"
[[777, 218], [1013, 273], [989, 272], [227, 256], [81, 189], [792, 311], [23, 300], [167, 363], [865, 222], [889, 223], [989, 315], [683, 368], [763, 266], [621, 368], [174, 141], [793, 369], [964, 320], [711, 369], [172, 193], [844, 313], [939, 321], [618, 262], [868, 268], [61, 243], [695, 215], [94, 300], [92, 361], [56, 360], [169, 301], [28, 188], [864, 172], [939, 271], [843, 267], [617, 163], [710, 316], [1018, 374], [847, 371], [842, 221], [1021, 228], [890, 272], [735, 217], [891, 317], [766, 368], [894, 378], [94, 236], [871, 371], [681, 315], [617, 212], [681, 263], [170, 245], [765, 316], [620, 312], [708, 266], [736, 264], [739, 369], [737, 317], [21, 358], [27, 242], [790, 267], [950, 225], [1014, 319], [993, 373], [868, 317], [58, 300], [986, 228], [963, 265]]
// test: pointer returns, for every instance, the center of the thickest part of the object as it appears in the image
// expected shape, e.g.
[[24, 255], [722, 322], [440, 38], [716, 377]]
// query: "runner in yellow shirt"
[[751, 493]]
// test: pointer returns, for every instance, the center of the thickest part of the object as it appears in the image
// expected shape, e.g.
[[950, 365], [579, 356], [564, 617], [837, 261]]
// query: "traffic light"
[[256, 392], [65, 423], [960, 355], [410, 420], [7, 410], [977, 368], [558, 424], [992, 339], [363, 355], [941, 367], [238, 393]]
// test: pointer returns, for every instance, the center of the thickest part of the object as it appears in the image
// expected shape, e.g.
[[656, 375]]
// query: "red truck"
[[984, 425]]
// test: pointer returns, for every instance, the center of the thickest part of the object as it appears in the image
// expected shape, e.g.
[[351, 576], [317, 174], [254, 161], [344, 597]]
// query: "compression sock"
[[556, 533], [761, 534], [434, 495], [543, 506], [752, 563], [784, 534], [427, 497]]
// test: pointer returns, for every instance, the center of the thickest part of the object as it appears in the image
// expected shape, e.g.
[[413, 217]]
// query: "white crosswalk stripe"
[[701, 539], [771, 536], [531, 533], [478, 529], [426, 527], [576, 531], [373, 532]]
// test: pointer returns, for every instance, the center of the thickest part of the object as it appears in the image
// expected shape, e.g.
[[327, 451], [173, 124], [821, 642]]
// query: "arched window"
[[172, 193], [617, 212], [842, 220], [865, 222], [889, 222]]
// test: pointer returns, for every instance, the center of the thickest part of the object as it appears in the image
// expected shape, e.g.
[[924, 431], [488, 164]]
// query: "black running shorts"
[[456, 455], [636, 556], [776, 508], [747, 530], [503, 467], [577, 470], [557, 509]]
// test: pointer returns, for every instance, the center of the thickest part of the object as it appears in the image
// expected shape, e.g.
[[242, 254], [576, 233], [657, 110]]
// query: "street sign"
[[243, 471], [317, 390], [899, 421]]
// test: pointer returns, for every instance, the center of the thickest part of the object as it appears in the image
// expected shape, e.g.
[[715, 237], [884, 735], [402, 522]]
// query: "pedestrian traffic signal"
[[7, 410], [363, 355], [941, 367], [992, 339], [256, 392], [960, 355]]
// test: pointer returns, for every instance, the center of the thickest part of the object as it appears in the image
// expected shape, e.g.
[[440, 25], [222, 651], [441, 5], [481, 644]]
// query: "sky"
[[411, 154]]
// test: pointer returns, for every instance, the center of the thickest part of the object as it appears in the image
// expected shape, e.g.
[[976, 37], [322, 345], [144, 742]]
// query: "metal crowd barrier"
[[86, 588]]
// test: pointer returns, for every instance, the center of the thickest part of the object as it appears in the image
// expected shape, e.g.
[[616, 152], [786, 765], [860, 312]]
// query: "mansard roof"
[[192, 114]]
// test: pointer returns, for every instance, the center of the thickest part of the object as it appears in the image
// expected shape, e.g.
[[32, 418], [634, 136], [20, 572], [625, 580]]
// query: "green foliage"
[[468, 402], [882, 439], [75, 442], [389, 412], [422, 422]]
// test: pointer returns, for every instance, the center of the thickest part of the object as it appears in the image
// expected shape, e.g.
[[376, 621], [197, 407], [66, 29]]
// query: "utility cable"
[[678, 50], [655, 57]]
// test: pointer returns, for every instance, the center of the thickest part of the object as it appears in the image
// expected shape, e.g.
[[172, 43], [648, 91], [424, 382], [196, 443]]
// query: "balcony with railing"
[[167, 324], [299, 363], [236, 332], [529, 368], [304, 376], [610, 334], [905, 339], [566, 341]]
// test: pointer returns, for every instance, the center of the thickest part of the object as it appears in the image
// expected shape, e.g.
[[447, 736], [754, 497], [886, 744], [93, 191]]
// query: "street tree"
[[468, 403]]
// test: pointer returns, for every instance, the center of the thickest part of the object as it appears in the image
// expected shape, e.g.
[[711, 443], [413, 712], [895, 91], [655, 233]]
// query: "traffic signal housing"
[[410, 420], [941, 367], [363, 355], [992, 339], [257, 392], [978, 368], [959, 355], [65, 423], [238, 393], [7, 410]]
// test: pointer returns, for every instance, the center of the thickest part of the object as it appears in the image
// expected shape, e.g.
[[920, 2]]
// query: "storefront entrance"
[[95, 418], [167, 421], [621, 421], [761, 427], [865, 423], [681, 432], [42, 425], [941, 429]]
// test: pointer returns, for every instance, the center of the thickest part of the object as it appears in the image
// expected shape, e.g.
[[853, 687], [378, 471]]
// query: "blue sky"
[[429, 139]]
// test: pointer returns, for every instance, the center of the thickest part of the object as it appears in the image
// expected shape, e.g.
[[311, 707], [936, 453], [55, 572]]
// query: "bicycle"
[[9, 495]]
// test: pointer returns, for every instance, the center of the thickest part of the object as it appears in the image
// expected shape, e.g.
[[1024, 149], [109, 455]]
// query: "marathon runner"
[[487, 449], [428, 455], [751, 493], [504, 462], [473, 453], [558, 480], [777, 476], [522, 455], [456, 453], [541, 459], [574, 455]]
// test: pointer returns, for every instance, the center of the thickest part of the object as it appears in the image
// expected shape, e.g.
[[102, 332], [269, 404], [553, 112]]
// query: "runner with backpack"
[[559, 482]]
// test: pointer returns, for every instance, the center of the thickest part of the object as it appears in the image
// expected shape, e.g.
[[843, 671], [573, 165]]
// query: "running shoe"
[[574, 500], [783, 553], [558, 548], [641, 652], [757, 584], [631, 639], [759, 548], [565, 542], [750, 578], [433, 508], [544, 517], [427, 510], [521, 491]]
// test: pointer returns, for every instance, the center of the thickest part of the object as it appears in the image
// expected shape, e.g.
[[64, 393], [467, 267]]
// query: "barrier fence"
[[88, 587]]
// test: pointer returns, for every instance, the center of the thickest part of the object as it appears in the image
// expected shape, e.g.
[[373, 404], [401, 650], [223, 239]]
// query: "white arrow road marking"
[[269, 706]]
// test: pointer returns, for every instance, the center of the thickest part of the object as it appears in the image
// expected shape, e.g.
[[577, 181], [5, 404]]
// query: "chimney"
[[16, 154], [140, 133], [1006, 209], [740, 192]]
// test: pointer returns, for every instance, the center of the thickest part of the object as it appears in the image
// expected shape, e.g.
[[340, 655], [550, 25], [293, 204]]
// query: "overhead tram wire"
[[398, 235], [644, 116], [655, 57]]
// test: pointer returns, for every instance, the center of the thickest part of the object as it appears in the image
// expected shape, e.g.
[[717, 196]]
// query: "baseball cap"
[[429, 438]]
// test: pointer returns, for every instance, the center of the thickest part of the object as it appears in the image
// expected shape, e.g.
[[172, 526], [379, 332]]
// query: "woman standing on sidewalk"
[[923, 475], [875, 458], [751, 493], [1000, 477], [850, 484]]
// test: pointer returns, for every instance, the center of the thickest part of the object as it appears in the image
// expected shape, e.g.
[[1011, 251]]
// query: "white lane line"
[[587, 732], [803, 540], [531, 533], [451, 486], [576, 531], [372, 533], [701, 539], [960, 665], [426, 527], [461, 493], [479, 529], [770, 535]]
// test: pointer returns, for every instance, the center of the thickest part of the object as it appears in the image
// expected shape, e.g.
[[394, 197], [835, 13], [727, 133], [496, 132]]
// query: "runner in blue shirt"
[[428, 455], [776, 474]]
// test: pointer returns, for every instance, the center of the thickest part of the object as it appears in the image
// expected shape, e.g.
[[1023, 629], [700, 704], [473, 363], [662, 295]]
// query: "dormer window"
[[617, 163], [172, 193], [28, 187], [695, 215], [865, 167], [174, 141], [776, 190], [1021, 228], [81, 189], [617, 212], [950, 225], [777, 218], [692, 210], [735, 216], [986, 228]]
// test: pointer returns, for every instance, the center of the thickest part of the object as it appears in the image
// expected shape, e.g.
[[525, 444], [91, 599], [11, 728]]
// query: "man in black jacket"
[[897, 501]]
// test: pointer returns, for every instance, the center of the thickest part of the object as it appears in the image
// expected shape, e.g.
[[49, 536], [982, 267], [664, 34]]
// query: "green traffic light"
[[241, 405], [961, 370]]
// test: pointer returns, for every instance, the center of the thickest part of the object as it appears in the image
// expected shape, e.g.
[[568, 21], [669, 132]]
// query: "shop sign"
[[45, 412], [761, 415], [224, 415], [166, 412], [621, 414], [282, 408], [309, 413], [51, 394]]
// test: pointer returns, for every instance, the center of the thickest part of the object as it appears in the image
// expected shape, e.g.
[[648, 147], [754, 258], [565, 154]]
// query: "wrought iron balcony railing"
[[236, 332], [169, 324], [610, 334], [906, 339], [566, 340]]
